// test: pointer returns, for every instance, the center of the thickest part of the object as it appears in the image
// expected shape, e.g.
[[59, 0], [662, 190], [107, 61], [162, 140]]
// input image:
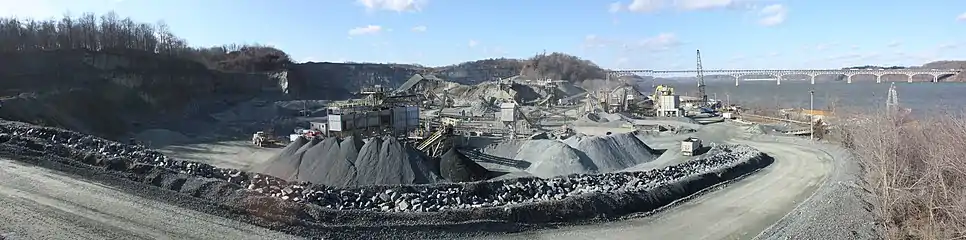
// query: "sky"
[[627, 34]]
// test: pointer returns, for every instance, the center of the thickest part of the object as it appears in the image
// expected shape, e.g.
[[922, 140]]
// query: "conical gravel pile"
[[456, 167], [286, 163]]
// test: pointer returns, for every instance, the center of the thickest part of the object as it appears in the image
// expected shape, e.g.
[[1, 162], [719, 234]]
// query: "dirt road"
[[738, 211], [45, 204]]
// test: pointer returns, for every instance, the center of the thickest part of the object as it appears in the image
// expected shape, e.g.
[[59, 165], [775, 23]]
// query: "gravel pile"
[[576, 154], [383, 198], [456, 167], [614, 152], [547, 157], [330, 162]]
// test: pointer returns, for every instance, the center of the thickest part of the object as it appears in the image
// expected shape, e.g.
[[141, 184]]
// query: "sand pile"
[[349, 162], [456, 167]]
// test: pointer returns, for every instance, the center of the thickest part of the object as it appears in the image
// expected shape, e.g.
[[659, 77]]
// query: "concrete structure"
[[508, 112], [811, 73], [669, 106], [372, 120]]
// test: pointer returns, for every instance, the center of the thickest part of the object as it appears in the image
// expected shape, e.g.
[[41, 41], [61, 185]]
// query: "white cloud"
[[473, 43], [704, 4], [371, 29], [961, 17], [821, 47], [645, 5], [393, 5], [947, 46], [855, 47], [688, 5], [614, 7], [772, 15], [419, 29], [774, 54], [894, 43], [663, 41], [660, 42]]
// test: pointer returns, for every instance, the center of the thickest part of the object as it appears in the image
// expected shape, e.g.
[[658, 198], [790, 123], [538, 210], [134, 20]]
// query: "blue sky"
[[627, 34]]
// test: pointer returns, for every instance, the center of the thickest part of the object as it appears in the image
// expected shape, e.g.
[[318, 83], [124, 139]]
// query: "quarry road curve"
[[45, 204], [740, 210]]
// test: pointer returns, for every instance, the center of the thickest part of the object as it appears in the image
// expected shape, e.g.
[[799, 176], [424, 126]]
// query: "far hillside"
[[949, 65], [554, 66]]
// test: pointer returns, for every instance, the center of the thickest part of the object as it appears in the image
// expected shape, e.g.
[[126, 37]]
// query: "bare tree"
[[110, 32]]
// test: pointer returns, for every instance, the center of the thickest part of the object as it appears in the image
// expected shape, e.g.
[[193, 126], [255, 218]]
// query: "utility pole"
[[811, 114]]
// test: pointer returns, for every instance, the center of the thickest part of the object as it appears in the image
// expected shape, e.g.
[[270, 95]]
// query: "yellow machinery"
[[661, 90]]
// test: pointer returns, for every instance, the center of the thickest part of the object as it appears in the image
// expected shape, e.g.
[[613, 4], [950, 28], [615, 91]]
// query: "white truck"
[[690, 146]]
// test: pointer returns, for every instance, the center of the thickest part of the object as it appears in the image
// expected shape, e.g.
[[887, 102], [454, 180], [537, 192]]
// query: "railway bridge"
[[780, 74]]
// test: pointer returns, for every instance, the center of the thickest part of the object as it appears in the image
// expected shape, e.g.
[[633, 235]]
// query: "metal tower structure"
[[704, 95], [892, 100]]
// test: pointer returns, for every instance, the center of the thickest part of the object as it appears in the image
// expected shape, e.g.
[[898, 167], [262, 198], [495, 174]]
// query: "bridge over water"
[[780, 74]]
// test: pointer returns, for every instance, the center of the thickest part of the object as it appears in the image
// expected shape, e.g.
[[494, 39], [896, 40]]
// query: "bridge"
[[811, 73]]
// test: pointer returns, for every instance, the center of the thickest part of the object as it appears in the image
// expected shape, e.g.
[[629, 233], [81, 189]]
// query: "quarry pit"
[[553, 163]]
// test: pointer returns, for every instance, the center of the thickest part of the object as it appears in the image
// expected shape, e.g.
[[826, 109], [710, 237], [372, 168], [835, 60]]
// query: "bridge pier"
[[878, 78], [812, 77], [848, 78], [779, 80], [737, 79], [909, 79], [935, 78]]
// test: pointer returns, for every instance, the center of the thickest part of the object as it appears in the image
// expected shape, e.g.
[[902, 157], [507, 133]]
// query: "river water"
[[921, 97]]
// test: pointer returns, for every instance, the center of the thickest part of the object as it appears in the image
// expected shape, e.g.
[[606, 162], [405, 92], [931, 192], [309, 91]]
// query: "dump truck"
[[259, 139], [690, 146]]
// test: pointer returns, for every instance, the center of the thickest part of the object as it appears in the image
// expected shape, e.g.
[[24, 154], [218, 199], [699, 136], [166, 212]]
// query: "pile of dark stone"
[[407, 198]]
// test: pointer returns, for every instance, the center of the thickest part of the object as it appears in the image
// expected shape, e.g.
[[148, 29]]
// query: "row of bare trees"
[[111, 32]]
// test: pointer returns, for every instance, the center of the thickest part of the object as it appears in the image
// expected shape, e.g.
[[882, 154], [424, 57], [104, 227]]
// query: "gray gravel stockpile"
[[547, 157], [616, 151], [286, 164], [456, 167], [577, 154], [335, 162], [326, 156]]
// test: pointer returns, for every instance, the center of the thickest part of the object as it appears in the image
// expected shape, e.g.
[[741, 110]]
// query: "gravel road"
[[44, 204], [740, 210]]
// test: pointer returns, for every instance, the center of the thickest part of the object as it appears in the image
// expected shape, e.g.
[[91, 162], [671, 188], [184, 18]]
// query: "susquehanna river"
[[922, 97]]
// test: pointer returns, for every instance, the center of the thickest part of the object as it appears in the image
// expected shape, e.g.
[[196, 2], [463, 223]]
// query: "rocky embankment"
[[504, 205]]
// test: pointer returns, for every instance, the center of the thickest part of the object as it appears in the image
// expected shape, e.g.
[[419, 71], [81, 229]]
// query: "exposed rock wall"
[[106, 92]]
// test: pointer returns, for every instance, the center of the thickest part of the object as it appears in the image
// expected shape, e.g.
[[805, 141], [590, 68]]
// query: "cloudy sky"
[[628, 34]]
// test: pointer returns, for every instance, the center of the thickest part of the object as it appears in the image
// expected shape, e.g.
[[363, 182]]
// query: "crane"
[[701, 92]]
